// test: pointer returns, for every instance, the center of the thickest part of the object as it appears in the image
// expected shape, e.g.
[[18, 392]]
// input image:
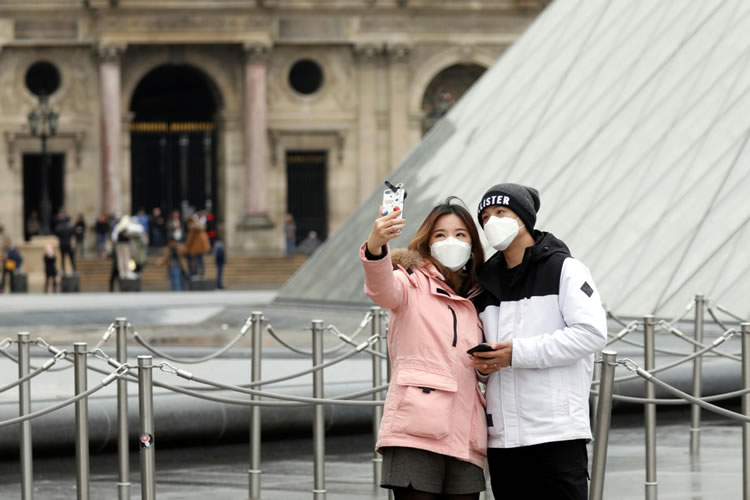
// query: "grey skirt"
[[431, 472]]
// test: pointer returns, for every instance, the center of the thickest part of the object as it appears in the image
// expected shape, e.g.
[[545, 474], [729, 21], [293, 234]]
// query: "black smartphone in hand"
[[480, 348]]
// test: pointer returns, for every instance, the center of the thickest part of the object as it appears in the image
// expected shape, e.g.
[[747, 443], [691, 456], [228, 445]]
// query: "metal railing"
[[603, 395], [141, 374], [602, 392]]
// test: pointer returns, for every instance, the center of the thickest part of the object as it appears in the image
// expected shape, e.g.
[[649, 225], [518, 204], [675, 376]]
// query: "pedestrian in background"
[[50, 268], [12, 262], [290, 234], [197, 246], [79, 230], [157, 229], [220, 258], [174, 259], [102, 229], [175, 227], [64, 232]]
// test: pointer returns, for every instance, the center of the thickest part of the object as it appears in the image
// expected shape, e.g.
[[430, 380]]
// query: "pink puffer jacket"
[[433, 402]]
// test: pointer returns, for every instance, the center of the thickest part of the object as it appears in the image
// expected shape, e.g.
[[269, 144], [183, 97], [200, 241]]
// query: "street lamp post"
[[43, 123]]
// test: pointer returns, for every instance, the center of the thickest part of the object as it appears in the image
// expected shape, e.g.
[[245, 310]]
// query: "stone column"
[[111, 127], [256, 136], [367, 55], [398, 55]]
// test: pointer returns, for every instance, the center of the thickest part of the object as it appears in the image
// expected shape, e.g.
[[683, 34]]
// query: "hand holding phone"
[[480, 348]]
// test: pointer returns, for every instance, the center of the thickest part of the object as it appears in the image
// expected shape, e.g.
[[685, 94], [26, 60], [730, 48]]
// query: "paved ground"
[[194, 320]]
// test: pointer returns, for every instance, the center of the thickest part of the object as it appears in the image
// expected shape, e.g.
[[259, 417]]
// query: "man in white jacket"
[[543, 317]]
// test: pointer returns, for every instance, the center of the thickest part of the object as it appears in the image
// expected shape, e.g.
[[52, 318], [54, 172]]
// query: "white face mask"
[[451, 253], [501, 231]]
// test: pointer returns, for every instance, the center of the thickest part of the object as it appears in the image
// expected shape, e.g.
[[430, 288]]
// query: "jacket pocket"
[[426, 406], [479, 425]]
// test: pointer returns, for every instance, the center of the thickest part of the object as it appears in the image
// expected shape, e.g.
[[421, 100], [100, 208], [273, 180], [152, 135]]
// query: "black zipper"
[[455, 322]]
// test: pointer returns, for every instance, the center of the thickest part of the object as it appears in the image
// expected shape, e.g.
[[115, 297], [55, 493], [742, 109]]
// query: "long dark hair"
[[460, 281]]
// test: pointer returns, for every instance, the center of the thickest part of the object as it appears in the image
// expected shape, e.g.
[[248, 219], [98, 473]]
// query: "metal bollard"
[[695, 410], [746, 411], [146, 439], [123, 451], [82, 420], [24, 408], [254, 469], [649, 410], [604, 417], [377, 380], [594, 398], [319, 452]]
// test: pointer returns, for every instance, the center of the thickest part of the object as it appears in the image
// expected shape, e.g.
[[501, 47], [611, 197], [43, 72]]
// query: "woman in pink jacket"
[[433, 436]]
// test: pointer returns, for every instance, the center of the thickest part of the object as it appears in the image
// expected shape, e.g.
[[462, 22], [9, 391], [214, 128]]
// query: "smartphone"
[[480, 348], [393, 199]]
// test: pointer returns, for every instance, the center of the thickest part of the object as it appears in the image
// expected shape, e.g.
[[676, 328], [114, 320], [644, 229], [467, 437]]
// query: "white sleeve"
[[585, 330]]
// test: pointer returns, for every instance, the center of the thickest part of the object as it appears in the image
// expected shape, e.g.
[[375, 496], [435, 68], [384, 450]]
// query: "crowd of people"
[[182, 242]]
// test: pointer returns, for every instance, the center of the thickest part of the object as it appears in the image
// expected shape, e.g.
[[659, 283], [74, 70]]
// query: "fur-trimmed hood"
[[407, 259]]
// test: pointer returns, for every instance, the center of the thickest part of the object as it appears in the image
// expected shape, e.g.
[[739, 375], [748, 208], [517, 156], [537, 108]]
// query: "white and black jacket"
[[549, 306]]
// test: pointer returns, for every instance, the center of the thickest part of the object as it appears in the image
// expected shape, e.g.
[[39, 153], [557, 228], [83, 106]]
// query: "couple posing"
[[539, 311]]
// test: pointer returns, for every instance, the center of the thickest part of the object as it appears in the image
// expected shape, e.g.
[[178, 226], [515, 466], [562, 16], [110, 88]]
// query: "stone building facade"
[[260, 107]]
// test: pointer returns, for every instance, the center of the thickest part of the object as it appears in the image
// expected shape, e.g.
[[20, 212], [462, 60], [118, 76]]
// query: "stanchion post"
[[604, 418], [24, 408], [746, 411], [594, 398], [377, 380], [123, 450], [146, 438], [695, 410], [80, 350], [649, 410], [255, 437], [319, 452]]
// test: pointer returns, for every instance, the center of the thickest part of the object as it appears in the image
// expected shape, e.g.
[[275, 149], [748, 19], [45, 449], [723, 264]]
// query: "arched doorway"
[[445, 89], [173, 141]]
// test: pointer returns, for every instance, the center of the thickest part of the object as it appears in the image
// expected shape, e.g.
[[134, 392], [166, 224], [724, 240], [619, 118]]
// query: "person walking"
[[157, 229], [50, 268], [64, 232], [544, 320], [79, 231], [433, 432], [175, 227], [174, 259], [101, 228], [290, 234], [197, 246], [12, 261], [220, 258]]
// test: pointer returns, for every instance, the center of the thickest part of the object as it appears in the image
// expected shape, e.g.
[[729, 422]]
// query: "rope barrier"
[[630, 365], [729, 313], [203, 359], [631, 327], [349, 341], [684, 337], [302, 352], [713, 315], [122, 370], [674, 402], [720, 340], [46, 366], [167, 368]]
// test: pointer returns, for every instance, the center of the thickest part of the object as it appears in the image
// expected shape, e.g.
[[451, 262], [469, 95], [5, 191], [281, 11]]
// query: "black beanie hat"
[[521, 199]]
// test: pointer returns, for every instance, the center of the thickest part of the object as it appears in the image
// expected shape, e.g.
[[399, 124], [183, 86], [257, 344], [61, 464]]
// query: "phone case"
[[393, 201]]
